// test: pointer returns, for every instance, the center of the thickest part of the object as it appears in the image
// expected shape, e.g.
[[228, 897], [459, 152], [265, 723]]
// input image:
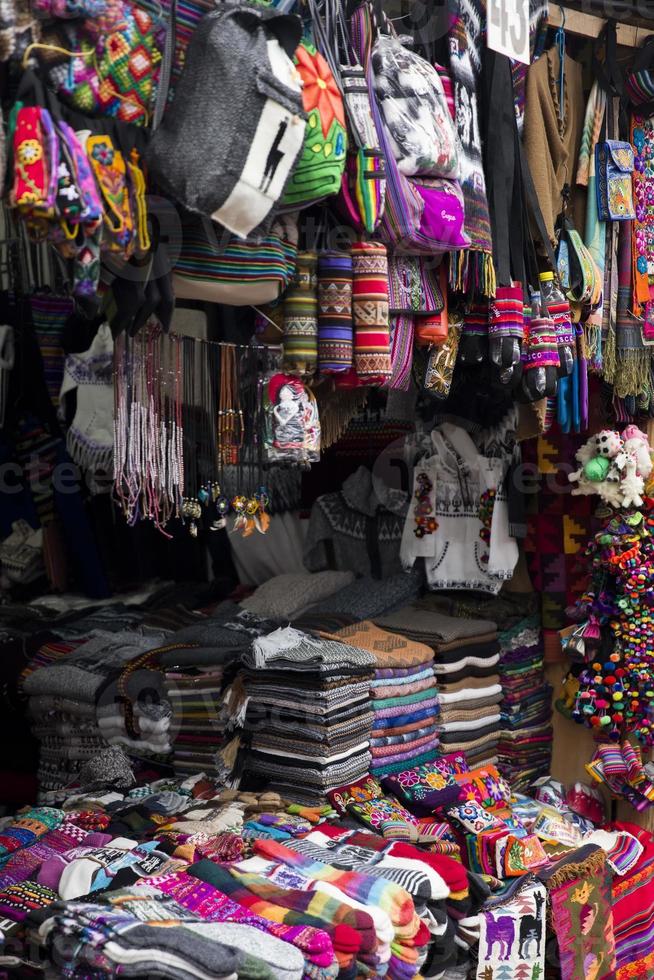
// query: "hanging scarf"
[[470, 269], [49, 316], [334, 312], [595, 232], [629, 368]]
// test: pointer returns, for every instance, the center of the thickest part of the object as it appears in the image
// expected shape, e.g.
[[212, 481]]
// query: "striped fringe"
[[472, 270]]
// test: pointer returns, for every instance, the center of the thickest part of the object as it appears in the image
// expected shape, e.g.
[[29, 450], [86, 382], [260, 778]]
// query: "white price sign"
[[508, 28]]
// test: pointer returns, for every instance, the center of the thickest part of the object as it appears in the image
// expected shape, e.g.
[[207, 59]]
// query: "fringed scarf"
[[627, 361], [49, 315], [595, 232], [579, 890], [471, 269]]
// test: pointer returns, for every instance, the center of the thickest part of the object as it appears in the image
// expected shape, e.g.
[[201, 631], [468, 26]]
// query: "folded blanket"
[[389, 648], [292, 650], [431, 627], [291, 594]]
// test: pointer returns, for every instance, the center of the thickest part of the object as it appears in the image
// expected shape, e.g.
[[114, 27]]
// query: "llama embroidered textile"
[[512, 934], [582, 917]]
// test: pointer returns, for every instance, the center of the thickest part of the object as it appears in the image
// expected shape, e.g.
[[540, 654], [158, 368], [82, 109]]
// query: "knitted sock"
[[291, 906], [31, 825], [301, 318], [395, 901], [313, 814], [450, 871], [372, 345], [214, 906], [334, 312]]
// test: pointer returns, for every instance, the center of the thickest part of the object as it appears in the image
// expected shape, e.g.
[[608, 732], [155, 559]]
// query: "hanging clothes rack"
[[589, 25]]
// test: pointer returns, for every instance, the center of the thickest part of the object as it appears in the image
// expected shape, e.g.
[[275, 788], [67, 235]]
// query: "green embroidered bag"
[[320, 167]]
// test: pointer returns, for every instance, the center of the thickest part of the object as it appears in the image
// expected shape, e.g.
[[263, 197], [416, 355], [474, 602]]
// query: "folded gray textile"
[[427, 624], [288, 595], [367, 597], [81, 674]]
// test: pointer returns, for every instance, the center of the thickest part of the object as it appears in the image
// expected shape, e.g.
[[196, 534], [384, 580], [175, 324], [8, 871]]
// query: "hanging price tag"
[[508, 28]]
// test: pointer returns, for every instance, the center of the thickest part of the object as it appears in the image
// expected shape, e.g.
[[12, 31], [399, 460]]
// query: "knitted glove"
[[506, 329], [540, 359], [473, 346]]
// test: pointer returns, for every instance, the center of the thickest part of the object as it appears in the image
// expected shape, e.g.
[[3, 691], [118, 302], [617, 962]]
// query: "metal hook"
[[562, 9]]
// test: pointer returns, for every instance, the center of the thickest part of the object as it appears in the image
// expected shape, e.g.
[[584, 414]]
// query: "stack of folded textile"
[[525, 746], [404, 698], [63, 699], [466, 658], [199, 725], [308, 713]]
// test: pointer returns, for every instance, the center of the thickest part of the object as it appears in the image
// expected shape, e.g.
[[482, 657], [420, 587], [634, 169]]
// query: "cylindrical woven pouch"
[[301, 318], [335, 339], [372, 342], [505, 316]]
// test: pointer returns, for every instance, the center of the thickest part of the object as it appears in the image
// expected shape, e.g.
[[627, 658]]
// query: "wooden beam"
[[588, 25]]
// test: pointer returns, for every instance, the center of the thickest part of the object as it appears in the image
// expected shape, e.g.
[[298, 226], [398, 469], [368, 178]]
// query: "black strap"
[[502, 167], [166, 66], [534, 212]]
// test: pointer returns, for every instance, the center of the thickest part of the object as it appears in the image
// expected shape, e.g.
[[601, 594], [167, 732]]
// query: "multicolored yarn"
[[372, 347], [335, 339], [49, 316], [301, 318]]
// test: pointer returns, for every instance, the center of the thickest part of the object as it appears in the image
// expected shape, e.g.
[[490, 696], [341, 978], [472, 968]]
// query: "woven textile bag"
[[421, 216], [219, 268], [117, 73]]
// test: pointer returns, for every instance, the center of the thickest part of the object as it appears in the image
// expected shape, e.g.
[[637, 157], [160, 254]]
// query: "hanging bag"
[[215, 267], [117, 70], [420, 215], [363, 185], [614, 165], [230, 139], [319, 170]]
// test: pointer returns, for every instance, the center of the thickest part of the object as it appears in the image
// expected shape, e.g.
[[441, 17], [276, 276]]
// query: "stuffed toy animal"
[[614, 467], [636, 445], [632, 486]]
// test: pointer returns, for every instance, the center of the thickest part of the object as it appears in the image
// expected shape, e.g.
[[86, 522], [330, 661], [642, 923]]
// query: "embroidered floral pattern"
[[30, 152], [423, 509]]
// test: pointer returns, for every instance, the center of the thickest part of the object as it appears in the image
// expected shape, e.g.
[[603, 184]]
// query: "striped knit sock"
[[350, 930], [393, 899], [372, 347]]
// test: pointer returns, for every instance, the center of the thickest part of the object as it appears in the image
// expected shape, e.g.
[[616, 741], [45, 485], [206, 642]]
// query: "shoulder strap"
[[166, 66]]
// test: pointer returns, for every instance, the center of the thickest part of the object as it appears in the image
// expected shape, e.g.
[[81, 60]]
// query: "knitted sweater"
[[358, 529], [551, 144]]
